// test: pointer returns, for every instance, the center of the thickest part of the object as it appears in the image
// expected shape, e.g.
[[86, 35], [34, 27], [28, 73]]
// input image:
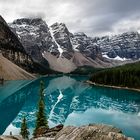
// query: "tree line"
[[125, 76]]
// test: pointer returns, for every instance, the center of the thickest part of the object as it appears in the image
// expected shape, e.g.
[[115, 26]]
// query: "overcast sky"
[[94, 17]]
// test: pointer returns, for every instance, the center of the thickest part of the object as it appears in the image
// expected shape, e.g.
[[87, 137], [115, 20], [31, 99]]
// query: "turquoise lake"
[[69, 101]]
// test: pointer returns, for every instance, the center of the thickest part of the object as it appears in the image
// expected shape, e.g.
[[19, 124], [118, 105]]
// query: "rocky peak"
[[60, 33], [122, 47], [81, 42], [34, 36], [80, 34], [29, 21], [2, 20], [61, 36]]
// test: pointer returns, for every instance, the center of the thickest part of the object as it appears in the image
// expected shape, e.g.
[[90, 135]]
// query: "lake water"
[[69, 101]]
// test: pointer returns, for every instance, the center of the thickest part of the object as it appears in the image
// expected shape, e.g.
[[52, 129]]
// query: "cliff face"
[[123, 46], [12, 49]]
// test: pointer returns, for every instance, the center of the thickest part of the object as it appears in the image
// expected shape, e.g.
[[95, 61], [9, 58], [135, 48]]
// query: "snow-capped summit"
[[64, 51], [126, 45], [61, 37]]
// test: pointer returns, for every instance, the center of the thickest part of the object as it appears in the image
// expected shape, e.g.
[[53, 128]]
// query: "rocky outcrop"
[[34, 36], [49, 133], [11, 138], [89, 132], [86, 45]]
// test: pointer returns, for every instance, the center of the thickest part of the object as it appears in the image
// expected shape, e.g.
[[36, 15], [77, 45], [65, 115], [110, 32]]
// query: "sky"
[[93, 17]]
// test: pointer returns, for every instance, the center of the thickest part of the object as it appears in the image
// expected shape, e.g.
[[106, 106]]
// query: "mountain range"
[[48, 49]]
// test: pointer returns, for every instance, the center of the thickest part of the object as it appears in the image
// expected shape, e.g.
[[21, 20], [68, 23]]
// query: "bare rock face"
[[125, 46], [34, 36], [91, 132], [86, 45], [11, 47]]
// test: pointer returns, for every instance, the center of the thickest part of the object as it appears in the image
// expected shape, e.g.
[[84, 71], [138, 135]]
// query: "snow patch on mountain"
[[115, 58], [59, 48], [74, 45], [65, 51]]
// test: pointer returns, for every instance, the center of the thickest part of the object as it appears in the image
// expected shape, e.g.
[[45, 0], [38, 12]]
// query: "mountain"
[[10, 71], [63, 50], [122, 47], [13, 50], [60, 50]]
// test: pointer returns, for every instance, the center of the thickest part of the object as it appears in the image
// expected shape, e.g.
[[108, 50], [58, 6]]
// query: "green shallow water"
[[69, 101]]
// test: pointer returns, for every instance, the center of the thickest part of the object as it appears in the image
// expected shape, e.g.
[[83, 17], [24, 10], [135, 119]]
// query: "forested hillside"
[[125, 76]]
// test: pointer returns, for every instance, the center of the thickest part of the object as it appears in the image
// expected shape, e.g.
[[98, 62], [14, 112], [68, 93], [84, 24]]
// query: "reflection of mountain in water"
[[65, 95], [60, 96]]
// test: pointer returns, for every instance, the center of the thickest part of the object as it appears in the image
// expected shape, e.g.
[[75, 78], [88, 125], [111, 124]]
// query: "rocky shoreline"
[[88, 132], [109, 86]]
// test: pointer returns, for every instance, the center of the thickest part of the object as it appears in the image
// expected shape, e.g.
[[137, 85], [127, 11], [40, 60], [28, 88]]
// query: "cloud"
[[94, 17]]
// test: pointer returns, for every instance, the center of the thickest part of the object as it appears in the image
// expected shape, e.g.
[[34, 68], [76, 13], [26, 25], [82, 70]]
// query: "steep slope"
[[34, 36], [10, 71], [11, 47]]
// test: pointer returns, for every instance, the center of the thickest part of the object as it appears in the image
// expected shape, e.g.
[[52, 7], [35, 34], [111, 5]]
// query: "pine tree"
[[41, 116], [24, 129]]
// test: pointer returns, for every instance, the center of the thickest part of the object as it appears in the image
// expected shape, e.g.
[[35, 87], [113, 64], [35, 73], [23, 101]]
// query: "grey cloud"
[[32, 14], [94, 17]]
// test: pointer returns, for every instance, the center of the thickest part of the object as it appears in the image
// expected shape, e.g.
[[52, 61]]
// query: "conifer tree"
[[41, 116], [24, 129]]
